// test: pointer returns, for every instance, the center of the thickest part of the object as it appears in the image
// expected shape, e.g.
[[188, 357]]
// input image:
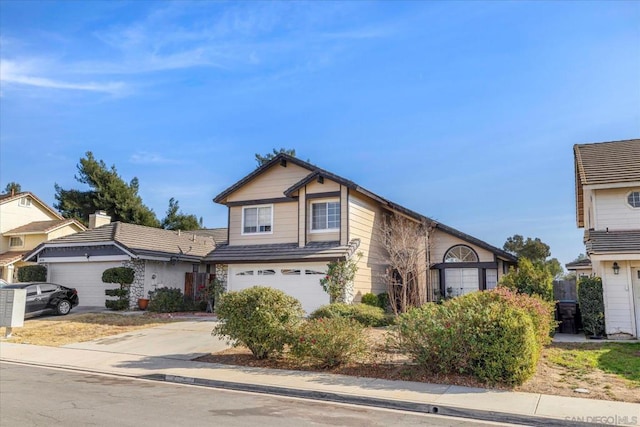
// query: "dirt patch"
[[383, 363], [551, 378], [62, 330]]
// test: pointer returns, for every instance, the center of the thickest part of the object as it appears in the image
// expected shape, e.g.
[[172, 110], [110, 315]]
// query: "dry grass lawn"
[[557, 372], [56, 331], [609, 371]]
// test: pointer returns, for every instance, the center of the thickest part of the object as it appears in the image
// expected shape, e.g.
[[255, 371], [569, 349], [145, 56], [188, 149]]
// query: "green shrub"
[[120, 293], [370, 299], [542, 312], [166, 300], [530, 279], [32, 273], [123, 276], [363, 313], [483, 334], [329, 342], [119, 275], [591, 306], [117, 304], [262, 319], [383, 301]]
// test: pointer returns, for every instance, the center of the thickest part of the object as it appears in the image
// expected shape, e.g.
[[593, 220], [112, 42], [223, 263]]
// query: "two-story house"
[[288, 218], [607, 177], [25, 222]]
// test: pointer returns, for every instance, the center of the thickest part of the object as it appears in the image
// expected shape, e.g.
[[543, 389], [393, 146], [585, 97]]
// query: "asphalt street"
[[34, 396]]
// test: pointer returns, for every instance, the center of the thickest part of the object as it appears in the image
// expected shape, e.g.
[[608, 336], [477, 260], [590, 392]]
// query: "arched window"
[[460, 253]]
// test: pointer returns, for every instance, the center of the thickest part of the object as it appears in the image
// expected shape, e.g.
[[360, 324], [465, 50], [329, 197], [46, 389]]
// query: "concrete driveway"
[[184, 340]]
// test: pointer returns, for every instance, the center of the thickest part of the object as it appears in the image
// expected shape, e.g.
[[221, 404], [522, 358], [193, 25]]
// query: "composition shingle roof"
[[315, 251], [219, 235], [142, 241], [9, 258], [315, 172], [608, 162], [612, 241], [43, 226], [585, 262]]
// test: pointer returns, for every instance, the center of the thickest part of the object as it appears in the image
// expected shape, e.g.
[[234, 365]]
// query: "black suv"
[[46, 297]]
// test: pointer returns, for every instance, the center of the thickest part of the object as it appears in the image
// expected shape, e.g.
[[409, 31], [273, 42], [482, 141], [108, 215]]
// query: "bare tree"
[[407, 245]]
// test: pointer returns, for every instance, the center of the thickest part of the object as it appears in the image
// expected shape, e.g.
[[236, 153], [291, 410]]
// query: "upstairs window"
[[460, 253], [325, 216], [257, 219], [634, 199], [16, 242], [25, 201]]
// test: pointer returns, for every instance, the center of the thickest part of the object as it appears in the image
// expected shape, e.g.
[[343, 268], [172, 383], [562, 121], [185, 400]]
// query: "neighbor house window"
[[16, 242], [325, 216], [257, 219], [634, 199], [460, 253], [25, 201]]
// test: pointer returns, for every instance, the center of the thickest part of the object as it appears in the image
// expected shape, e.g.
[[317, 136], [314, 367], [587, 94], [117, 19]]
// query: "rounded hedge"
[[32, 273], [365, 314], [260, 318], [490, 335], [329, 342], [370, 299]]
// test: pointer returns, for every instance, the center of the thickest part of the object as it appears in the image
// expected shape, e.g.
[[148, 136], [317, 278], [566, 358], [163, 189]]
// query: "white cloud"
[[282, 37], [147, 158], [15, 73]]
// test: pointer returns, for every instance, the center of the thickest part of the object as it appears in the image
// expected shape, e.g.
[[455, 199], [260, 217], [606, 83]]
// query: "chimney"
[[99, 219]]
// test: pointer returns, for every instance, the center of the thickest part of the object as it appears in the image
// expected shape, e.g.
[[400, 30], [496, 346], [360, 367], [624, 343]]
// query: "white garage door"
[[300, 281], [86, 277]]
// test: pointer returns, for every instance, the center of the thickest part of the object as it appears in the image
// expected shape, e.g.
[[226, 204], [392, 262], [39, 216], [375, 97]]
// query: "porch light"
[[616, 268]]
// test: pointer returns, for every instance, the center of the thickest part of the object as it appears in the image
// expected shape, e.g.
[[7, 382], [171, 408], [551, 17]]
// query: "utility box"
[[12, 305]]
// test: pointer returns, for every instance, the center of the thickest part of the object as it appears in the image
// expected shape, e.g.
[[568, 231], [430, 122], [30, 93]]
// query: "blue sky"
[[463, 111]]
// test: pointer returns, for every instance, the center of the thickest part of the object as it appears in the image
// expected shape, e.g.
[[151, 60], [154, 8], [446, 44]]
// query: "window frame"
[[257, 232], [20, 238], [445, 258], [25, 202], [325, 202], [628, 196]]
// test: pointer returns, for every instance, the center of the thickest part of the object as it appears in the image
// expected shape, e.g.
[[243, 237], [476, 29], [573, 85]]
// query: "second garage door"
[[86, 277], [300, 281]]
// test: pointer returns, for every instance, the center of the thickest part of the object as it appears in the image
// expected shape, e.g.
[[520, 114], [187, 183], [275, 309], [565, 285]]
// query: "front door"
[[635, 280]]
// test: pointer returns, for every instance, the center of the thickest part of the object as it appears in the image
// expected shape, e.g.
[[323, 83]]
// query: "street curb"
[[426, 408]]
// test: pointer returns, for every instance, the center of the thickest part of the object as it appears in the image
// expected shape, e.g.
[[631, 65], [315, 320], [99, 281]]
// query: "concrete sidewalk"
[[148, 354]]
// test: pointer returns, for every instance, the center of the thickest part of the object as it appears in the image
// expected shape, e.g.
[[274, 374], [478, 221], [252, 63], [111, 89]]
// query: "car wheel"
[[64, 307]]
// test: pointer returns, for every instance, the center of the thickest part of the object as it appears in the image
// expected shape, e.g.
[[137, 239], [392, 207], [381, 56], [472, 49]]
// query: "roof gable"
[[43, 227], [140, 241], [7, 198], [608, 162], [604, 163], [316, 173]]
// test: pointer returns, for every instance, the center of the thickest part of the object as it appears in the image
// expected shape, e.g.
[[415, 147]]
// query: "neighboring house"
[[607, 178], [25, 222], [289, 218], [581, 267], [159, 257]]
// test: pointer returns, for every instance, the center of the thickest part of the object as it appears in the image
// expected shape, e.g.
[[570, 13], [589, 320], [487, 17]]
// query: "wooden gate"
[[194, 284]]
